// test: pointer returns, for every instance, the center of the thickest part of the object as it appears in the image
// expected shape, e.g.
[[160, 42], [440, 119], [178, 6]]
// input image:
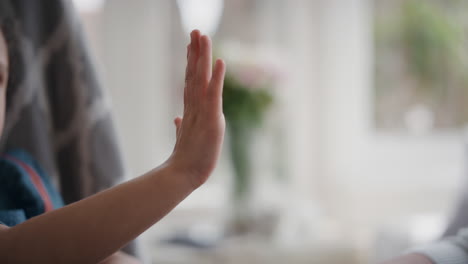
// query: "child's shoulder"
[[18, 156], [16, 164], [24, 186]]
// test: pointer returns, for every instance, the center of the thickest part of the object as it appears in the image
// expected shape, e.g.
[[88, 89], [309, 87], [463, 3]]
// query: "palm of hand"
[[200, 132]]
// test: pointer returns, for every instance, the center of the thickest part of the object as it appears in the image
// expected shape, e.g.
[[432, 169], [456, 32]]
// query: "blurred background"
[[346, 122]]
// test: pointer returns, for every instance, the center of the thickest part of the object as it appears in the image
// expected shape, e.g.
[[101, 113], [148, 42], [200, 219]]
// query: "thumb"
[[177, 122]]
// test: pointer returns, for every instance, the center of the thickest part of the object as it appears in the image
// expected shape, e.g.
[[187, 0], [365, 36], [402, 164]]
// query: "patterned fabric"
[[57, 110], [459, 219], [451, 250], [25, 189]]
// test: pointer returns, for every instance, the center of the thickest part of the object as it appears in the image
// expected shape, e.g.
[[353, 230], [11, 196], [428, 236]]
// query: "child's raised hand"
[[89, 224], [200, 132]]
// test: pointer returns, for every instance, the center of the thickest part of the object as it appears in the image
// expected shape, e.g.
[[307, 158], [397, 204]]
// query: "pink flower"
[[256, 75]]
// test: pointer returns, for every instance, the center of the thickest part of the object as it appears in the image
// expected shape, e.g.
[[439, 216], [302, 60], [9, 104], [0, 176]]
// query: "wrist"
[[185, 173]]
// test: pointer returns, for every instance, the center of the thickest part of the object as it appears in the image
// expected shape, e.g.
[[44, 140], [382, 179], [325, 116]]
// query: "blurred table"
[[253, 251]]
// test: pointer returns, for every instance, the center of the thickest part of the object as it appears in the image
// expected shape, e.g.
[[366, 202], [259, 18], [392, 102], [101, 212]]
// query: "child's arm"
[[90, 230]]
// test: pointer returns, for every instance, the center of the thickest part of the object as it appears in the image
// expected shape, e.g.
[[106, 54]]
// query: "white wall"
[[373, 179], [134, 45]]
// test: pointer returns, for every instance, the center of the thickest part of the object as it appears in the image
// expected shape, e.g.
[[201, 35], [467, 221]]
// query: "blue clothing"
[[25, 189]]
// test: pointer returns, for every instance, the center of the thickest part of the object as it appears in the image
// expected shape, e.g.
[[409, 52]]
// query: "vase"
[[240, 141]]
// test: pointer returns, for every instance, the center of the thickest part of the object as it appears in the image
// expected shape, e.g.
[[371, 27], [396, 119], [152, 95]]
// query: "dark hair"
[[10, 32]]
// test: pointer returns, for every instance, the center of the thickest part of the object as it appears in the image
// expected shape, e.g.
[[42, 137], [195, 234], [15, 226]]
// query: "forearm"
[[90, 230]]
